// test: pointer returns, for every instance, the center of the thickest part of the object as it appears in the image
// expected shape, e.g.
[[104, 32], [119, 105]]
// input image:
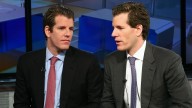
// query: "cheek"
[[130, 35], [55, 38], [71, 34], [126, 37]]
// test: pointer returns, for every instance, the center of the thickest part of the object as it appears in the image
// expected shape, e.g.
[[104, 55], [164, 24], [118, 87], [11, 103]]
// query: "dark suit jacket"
[[164, 83], [81, 85]]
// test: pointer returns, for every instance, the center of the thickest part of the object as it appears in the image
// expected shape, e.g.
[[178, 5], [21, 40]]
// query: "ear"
[[47, 31], [139, 29]]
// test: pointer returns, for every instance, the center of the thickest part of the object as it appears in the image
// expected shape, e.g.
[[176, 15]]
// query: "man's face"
[[60, 37], [125, 36]]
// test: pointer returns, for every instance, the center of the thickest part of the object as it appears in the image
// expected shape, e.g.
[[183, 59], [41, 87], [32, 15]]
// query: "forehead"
[[63, 20], [121, 18]]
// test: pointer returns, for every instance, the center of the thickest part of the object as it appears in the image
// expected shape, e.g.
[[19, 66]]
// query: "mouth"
[[118, 42], [66, 41]]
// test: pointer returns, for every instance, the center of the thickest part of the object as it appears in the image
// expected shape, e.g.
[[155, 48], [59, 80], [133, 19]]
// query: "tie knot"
[[53, 60], [132, 60]]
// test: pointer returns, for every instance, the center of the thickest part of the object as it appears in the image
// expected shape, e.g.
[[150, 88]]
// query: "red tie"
[[51, 85]]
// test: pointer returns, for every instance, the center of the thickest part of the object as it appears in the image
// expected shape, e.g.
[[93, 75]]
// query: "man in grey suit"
[[139, 74]]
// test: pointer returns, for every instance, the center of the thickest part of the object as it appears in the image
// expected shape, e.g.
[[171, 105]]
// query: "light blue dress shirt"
[[58, 70]]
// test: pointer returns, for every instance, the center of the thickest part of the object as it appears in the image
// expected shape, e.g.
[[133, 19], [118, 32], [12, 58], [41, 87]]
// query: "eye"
[[61, 28], [119, 27], [71, 28]]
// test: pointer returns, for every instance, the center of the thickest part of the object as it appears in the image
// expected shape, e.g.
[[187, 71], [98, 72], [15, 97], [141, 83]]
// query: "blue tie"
[[134, 82]]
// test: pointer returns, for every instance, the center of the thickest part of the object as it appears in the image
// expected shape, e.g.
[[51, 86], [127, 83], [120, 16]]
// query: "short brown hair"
[[52, 12], [137, 15]]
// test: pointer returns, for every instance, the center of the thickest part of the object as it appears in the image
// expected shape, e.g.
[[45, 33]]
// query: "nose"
[[114, 33], [68, 32]]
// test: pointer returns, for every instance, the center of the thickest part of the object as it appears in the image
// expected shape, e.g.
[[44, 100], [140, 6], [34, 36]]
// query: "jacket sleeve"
[[95, 85], [178, 86], [21, 96]]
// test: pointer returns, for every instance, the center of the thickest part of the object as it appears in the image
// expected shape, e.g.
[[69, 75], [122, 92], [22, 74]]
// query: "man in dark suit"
[[139, 74], [72, 80]]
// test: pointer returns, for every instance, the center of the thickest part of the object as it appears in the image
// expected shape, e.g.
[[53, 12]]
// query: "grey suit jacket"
[[164, 83]]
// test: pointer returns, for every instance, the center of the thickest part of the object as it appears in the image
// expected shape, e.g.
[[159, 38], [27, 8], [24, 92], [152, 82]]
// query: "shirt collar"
[[49, 55], [140, 53]]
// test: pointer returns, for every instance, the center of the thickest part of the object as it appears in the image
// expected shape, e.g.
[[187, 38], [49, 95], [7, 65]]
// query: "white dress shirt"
[[139, 55], [58, 70]]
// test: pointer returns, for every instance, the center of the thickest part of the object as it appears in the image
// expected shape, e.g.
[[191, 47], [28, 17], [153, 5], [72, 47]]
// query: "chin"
[[121, 49], [65, 48]]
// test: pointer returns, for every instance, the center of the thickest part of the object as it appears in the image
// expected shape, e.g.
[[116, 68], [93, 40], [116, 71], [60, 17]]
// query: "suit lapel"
[[40, 74], [67, 75], [148, 70], [119, 75]]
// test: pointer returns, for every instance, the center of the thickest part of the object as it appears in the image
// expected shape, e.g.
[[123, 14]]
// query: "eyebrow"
[[118, 26], [65, 26]]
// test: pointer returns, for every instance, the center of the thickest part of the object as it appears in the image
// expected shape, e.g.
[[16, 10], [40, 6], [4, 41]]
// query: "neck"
[[53, 50], [135, 47]]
